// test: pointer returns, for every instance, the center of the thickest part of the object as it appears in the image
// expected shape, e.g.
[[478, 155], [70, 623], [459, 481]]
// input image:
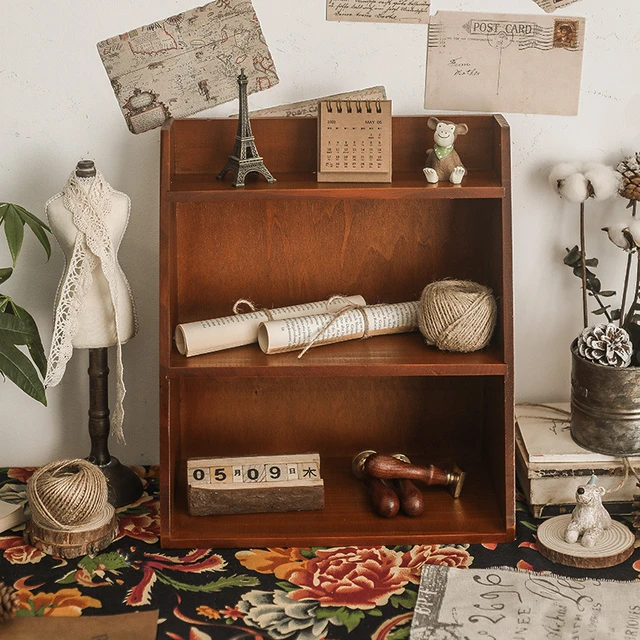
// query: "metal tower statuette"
[[244, 158]]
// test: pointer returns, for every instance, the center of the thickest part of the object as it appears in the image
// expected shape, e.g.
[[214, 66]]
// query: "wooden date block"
[[254, 484]]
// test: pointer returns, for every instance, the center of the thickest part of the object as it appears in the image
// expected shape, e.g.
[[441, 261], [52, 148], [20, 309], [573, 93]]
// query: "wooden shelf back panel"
[[273, 254], [331, 416], [289, 145]]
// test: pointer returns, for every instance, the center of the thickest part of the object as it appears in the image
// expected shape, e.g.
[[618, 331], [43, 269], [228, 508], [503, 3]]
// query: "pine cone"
[[629, 168], [9, 601], [606, 344]]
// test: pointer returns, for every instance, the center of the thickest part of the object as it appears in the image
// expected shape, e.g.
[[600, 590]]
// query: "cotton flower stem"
[[624, 321], [585, 316]]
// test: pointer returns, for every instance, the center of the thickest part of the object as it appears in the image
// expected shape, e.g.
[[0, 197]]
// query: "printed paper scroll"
[[498, 603], [196, 338], [551, 5], [504, 63], [309, 108], [187, 63], [292, 334], [407, 11]]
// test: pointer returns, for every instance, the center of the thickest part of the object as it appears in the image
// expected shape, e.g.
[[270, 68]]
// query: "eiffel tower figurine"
[[244, 158]]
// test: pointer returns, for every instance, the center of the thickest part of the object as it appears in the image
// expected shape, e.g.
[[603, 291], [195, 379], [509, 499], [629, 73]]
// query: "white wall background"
[[57, 106]]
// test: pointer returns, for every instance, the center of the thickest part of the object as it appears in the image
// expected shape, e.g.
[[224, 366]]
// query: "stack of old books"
[[550, 465]]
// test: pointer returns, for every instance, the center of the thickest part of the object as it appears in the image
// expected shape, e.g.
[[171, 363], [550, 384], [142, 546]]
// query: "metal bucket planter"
[[605, 407]]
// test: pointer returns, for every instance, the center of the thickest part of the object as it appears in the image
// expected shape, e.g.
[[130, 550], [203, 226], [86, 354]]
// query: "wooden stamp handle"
[[411, 499], [384, 499], [390, 468]]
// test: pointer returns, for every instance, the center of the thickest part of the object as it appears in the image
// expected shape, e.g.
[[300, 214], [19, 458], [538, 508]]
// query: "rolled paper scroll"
[[291, 334], [206, 336]]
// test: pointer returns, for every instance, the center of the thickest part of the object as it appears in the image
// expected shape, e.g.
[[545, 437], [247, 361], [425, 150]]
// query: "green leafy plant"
[[17, 327]]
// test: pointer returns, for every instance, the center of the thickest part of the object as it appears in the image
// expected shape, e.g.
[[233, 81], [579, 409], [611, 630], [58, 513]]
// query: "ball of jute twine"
[[457, 315], [67, 494]]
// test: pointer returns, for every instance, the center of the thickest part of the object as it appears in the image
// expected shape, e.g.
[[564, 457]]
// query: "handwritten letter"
[[406, 11]]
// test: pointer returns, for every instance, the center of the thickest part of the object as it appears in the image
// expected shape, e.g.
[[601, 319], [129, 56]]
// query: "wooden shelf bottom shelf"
[[347, 518]]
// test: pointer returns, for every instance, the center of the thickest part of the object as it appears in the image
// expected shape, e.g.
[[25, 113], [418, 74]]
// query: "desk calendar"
[[354, 141]]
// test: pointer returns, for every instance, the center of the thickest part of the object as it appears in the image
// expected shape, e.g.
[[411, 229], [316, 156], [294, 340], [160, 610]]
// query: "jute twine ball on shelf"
[[457, 315], [68, 494]]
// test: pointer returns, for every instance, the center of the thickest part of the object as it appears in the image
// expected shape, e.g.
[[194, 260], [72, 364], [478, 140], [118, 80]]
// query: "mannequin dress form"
[[94, 324]]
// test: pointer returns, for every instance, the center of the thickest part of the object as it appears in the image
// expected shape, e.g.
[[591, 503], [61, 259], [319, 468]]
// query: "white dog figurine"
[[589, 519]]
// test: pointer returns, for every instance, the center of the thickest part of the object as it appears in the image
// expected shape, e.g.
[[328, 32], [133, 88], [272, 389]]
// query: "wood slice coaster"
[[613, 546], [71, 544]]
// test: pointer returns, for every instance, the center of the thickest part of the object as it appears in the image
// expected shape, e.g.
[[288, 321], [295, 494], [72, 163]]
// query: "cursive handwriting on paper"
[[404, 11]]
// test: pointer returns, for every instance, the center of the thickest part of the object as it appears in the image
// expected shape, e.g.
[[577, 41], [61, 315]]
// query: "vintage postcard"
[[403, 11], [187, 63], [309, 108], [504, 63], [551, 5]]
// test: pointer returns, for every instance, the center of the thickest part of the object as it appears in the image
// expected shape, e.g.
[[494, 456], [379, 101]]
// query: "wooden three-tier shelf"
[[299, 241]]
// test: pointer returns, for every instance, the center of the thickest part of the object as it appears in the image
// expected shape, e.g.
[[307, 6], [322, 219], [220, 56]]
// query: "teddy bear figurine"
[[589, 518]]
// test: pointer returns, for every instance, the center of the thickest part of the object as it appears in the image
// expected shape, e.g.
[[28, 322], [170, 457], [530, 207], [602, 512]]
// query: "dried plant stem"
[[623, 320], [583, 254]]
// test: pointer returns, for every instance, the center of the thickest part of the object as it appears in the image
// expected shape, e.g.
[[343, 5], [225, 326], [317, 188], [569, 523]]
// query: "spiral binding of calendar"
[[369, 106]]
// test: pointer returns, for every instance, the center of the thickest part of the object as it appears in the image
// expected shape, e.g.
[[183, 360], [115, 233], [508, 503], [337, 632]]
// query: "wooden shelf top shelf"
[[395, 355], [347, 517], [205, 186]]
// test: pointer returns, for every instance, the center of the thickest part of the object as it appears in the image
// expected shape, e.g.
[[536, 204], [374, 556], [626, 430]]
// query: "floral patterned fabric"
[[273, 594]]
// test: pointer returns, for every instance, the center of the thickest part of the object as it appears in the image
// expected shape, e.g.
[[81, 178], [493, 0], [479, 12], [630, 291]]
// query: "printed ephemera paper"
[[551, 5], [292, 334], [497, 603], [504, 63], [187, 63], [407, 11], [217, 334], [309, 108]]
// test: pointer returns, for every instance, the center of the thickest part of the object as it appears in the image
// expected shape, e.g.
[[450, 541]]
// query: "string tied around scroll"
[[237, 308], [349, 306]]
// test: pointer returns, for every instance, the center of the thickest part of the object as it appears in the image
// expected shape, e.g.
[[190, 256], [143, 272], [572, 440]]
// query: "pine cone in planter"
[[9, 601], [606, 344], [629, 168]]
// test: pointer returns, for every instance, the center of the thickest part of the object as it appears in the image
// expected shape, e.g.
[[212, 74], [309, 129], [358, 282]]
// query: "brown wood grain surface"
[[297, 241]]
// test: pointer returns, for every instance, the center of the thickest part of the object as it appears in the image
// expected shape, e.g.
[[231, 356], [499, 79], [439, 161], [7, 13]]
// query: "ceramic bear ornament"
[[443, 161], [589, 518]]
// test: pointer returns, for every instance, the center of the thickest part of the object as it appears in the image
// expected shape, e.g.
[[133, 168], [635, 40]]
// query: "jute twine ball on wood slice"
[[67, 494], [457, 315]]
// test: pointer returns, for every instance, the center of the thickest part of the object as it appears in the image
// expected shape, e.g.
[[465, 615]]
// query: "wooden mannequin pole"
[[124, 485]]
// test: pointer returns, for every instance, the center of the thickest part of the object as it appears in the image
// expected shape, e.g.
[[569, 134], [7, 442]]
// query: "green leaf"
[[325, 613], [400, 634], [19, 369], [111, 561], [14, 231], [35, 346], [287, 586], [5, 274], [68, 578], [407, 599], [210, 587], [349, 618], [573, 257], [38, 228], [607, 294], [15, 330], [374, 612], [533, 527], [601, 311]]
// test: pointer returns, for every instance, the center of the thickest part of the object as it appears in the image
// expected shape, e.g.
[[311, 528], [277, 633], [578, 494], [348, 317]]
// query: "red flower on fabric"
[[140, 520], [353, 577], [21, 473], [17, 552], [414, 559]]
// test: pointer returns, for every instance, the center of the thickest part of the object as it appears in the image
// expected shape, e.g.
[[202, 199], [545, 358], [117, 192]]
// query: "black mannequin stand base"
[[124, 485]]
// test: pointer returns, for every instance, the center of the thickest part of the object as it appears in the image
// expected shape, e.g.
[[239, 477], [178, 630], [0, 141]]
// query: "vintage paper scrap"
[[187, 63], [551, 5], [496, 62], [309, 108], [142, 625], [502, 603], [403, 11]]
